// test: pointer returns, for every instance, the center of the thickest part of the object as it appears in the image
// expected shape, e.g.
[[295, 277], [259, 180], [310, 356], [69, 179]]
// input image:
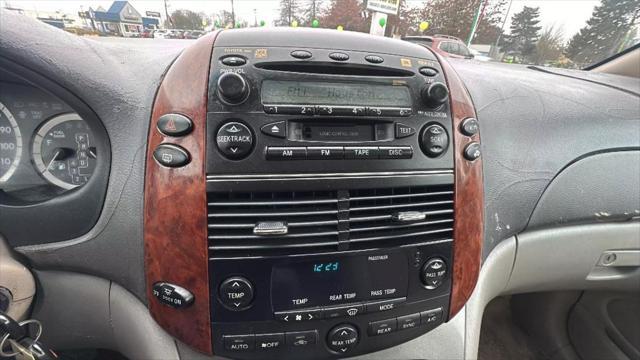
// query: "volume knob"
[[232, 88], [435, 94]]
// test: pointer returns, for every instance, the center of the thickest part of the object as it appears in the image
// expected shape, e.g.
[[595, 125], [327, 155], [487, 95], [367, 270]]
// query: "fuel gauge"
[[63, 151]]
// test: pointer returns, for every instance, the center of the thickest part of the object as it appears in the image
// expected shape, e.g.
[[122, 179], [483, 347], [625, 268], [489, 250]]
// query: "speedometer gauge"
[[63, 151], [10, 144]]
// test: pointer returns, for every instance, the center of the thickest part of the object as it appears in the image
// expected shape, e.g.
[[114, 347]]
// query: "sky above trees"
[[570, 14]]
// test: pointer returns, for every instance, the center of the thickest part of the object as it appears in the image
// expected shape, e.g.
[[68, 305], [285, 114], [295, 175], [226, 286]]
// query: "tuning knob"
[[232, 88], [434, 95]]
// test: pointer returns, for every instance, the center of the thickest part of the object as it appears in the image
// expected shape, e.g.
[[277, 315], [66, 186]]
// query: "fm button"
[[234, 140]]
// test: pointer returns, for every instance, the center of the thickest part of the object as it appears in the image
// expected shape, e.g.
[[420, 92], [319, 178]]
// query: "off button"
[[234, 140]]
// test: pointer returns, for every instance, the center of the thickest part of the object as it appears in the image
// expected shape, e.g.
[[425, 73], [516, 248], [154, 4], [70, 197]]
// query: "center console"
[[331, 195]]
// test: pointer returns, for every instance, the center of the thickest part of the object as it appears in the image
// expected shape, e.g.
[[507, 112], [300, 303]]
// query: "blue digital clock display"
[[326, 267]]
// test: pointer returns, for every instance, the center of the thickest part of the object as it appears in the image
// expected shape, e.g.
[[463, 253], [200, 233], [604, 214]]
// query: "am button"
[[286, 153]]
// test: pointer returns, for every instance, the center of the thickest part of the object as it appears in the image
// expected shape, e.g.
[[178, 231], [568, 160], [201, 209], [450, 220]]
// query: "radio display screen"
[[333, 93], [338, 280]]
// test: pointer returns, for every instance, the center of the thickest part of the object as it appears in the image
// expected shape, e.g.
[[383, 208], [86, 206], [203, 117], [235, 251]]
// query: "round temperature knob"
[[433, 273], [434, 95], [343, 338], [232, 88], [236, 293]]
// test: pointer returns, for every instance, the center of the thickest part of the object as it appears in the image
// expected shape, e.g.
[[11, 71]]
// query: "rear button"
[[382, 327]]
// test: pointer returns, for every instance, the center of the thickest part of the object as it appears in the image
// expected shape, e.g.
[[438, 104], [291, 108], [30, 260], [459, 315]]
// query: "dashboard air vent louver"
[[399, 216], [282, 223], [299, 222]]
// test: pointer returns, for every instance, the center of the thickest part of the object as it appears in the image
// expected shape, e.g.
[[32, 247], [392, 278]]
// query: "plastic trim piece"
[[81, 311], [16, 278]]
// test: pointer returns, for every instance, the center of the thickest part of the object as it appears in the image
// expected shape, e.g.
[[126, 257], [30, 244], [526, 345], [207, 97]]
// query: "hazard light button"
[[175, 125], [234, 140], [276, 129]]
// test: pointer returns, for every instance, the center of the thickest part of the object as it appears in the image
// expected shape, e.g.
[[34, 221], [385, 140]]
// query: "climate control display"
[[329, 281]]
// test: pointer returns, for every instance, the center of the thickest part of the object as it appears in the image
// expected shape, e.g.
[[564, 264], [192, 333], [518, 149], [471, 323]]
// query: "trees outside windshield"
[[560, 33]]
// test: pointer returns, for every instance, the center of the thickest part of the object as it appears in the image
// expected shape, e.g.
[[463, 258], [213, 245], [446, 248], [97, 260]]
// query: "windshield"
[[569, 33]]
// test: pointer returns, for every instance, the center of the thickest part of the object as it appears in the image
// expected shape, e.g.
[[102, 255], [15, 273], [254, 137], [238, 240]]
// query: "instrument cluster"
[[45, 147]]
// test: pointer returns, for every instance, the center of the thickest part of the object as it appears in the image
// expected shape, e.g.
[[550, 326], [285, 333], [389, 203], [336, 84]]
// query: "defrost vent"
[[242, 224]]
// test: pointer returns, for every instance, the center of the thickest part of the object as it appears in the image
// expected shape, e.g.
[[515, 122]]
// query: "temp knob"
[[232, 88], [434, 95]]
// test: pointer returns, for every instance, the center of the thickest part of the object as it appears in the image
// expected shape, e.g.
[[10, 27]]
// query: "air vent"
[[399, 216], [278, 223], [236, 222]]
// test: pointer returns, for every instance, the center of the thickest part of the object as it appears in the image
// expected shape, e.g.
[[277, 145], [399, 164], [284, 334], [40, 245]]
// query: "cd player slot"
[[337, 131], [330, 68]]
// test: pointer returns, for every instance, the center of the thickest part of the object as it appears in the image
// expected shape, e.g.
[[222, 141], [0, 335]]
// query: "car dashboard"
[[268, 195]]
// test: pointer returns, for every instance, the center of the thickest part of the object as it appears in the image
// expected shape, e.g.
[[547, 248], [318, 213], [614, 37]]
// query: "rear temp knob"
[[435, 94], [232, 88]]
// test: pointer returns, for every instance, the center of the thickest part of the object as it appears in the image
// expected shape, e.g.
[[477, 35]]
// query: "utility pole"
[[255, 17], [290, 4], [313, 9], [166, 12], [494, 51], [233, 14]]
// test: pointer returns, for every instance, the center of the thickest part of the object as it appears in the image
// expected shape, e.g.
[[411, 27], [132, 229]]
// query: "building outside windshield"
[[559, 33]]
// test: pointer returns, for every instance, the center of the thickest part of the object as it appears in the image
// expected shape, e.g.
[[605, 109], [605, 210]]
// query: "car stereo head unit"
[[280, 110], [315, 265]]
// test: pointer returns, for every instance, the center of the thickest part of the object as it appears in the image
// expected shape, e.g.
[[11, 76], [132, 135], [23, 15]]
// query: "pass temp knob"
[[232, 88], [435, 94]]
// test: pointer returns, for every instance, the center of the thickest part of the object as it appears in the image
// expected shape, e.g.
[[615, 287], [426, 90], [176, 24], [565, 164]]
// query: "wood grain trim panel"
[[468, 232], [175, 204]]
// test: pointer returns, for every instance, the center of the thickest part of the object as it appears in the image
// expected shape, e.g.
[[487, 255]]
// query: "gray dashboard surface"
[[533, 124], [119, 84], [622, 82], [601, 187]]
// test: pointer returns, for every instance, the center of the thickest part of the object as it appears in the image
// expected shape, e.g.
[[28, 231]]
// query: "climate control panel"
[[341, 304]]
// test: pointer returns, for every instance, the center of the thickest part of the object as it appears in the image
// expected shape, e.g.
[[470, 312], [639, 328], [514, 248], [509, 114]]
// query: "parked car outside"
[[477, 55], [193, 34], [147, 33], [445, 45]]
